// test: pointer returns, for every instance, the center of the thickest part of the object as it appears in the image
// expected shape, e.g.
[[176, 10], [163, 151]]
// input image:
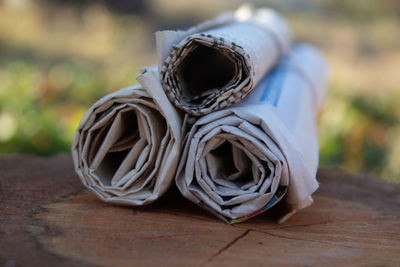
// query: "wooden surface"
[[49, 219]]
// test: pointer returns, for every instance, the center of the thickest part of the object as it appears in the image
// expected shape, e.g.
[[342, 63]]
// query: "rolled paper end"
[[205, 74], [124, 149], [232, 167], [215, 67]]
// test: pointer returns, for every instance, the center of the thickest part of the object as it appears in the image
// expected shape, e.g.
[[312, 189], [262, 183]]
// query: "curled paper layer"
[[240, 161], [127, 146], [217, 63]]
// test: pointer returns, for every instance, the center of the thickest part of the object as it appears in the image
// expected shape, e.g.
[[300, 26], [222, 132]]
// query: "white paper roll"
[[218, 62], [127, 146], [240, 161]]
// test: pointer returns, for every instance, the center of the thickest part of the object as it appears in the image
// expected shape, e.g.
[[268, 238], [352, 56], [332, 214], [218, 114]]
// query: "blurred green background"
[[57, 57]]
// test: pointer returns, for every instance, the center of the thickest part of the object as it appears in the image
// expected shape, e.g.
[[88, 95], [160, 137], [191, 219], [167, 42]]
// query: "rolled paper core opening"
[[123, 140], [234, 165], [203, 70], [123, 151]]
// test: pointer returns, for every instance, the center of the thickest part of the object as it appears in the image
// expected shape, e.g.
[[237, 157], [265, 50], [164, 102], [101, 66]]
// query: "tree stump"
[[48, 218]]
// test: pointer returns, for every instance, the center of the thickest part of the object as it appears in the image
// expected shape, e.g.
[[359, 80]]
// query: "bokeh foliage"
[[58, 57]]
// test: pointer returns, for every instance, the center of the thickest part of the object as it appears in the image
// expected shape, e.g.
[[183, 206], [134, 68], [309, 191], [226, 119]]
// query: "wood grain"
[[48, 218]]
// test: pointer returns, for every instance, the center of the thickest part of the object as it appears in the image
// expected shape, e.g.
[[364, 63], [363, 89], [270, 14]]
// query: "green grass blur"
[[58, 57]]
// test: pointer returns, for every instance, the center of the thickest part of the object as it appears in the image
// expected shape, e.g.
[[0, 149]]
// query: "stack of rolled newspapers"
[[228, 114]]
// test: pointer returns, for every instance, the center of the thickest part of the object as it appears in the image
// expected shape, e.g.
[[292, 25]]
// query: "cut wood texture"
[[48, 218]]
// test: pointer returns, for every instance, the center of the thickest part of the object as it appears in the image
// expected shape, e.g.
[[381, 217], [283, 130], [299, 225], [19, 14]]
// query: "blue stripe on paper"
[[273, 89]]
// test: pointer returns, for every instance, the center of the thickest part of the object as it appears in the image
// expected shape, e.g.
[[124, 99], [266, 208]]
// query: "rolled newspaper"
[[218, 62], [127, 146], [240, 161]]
